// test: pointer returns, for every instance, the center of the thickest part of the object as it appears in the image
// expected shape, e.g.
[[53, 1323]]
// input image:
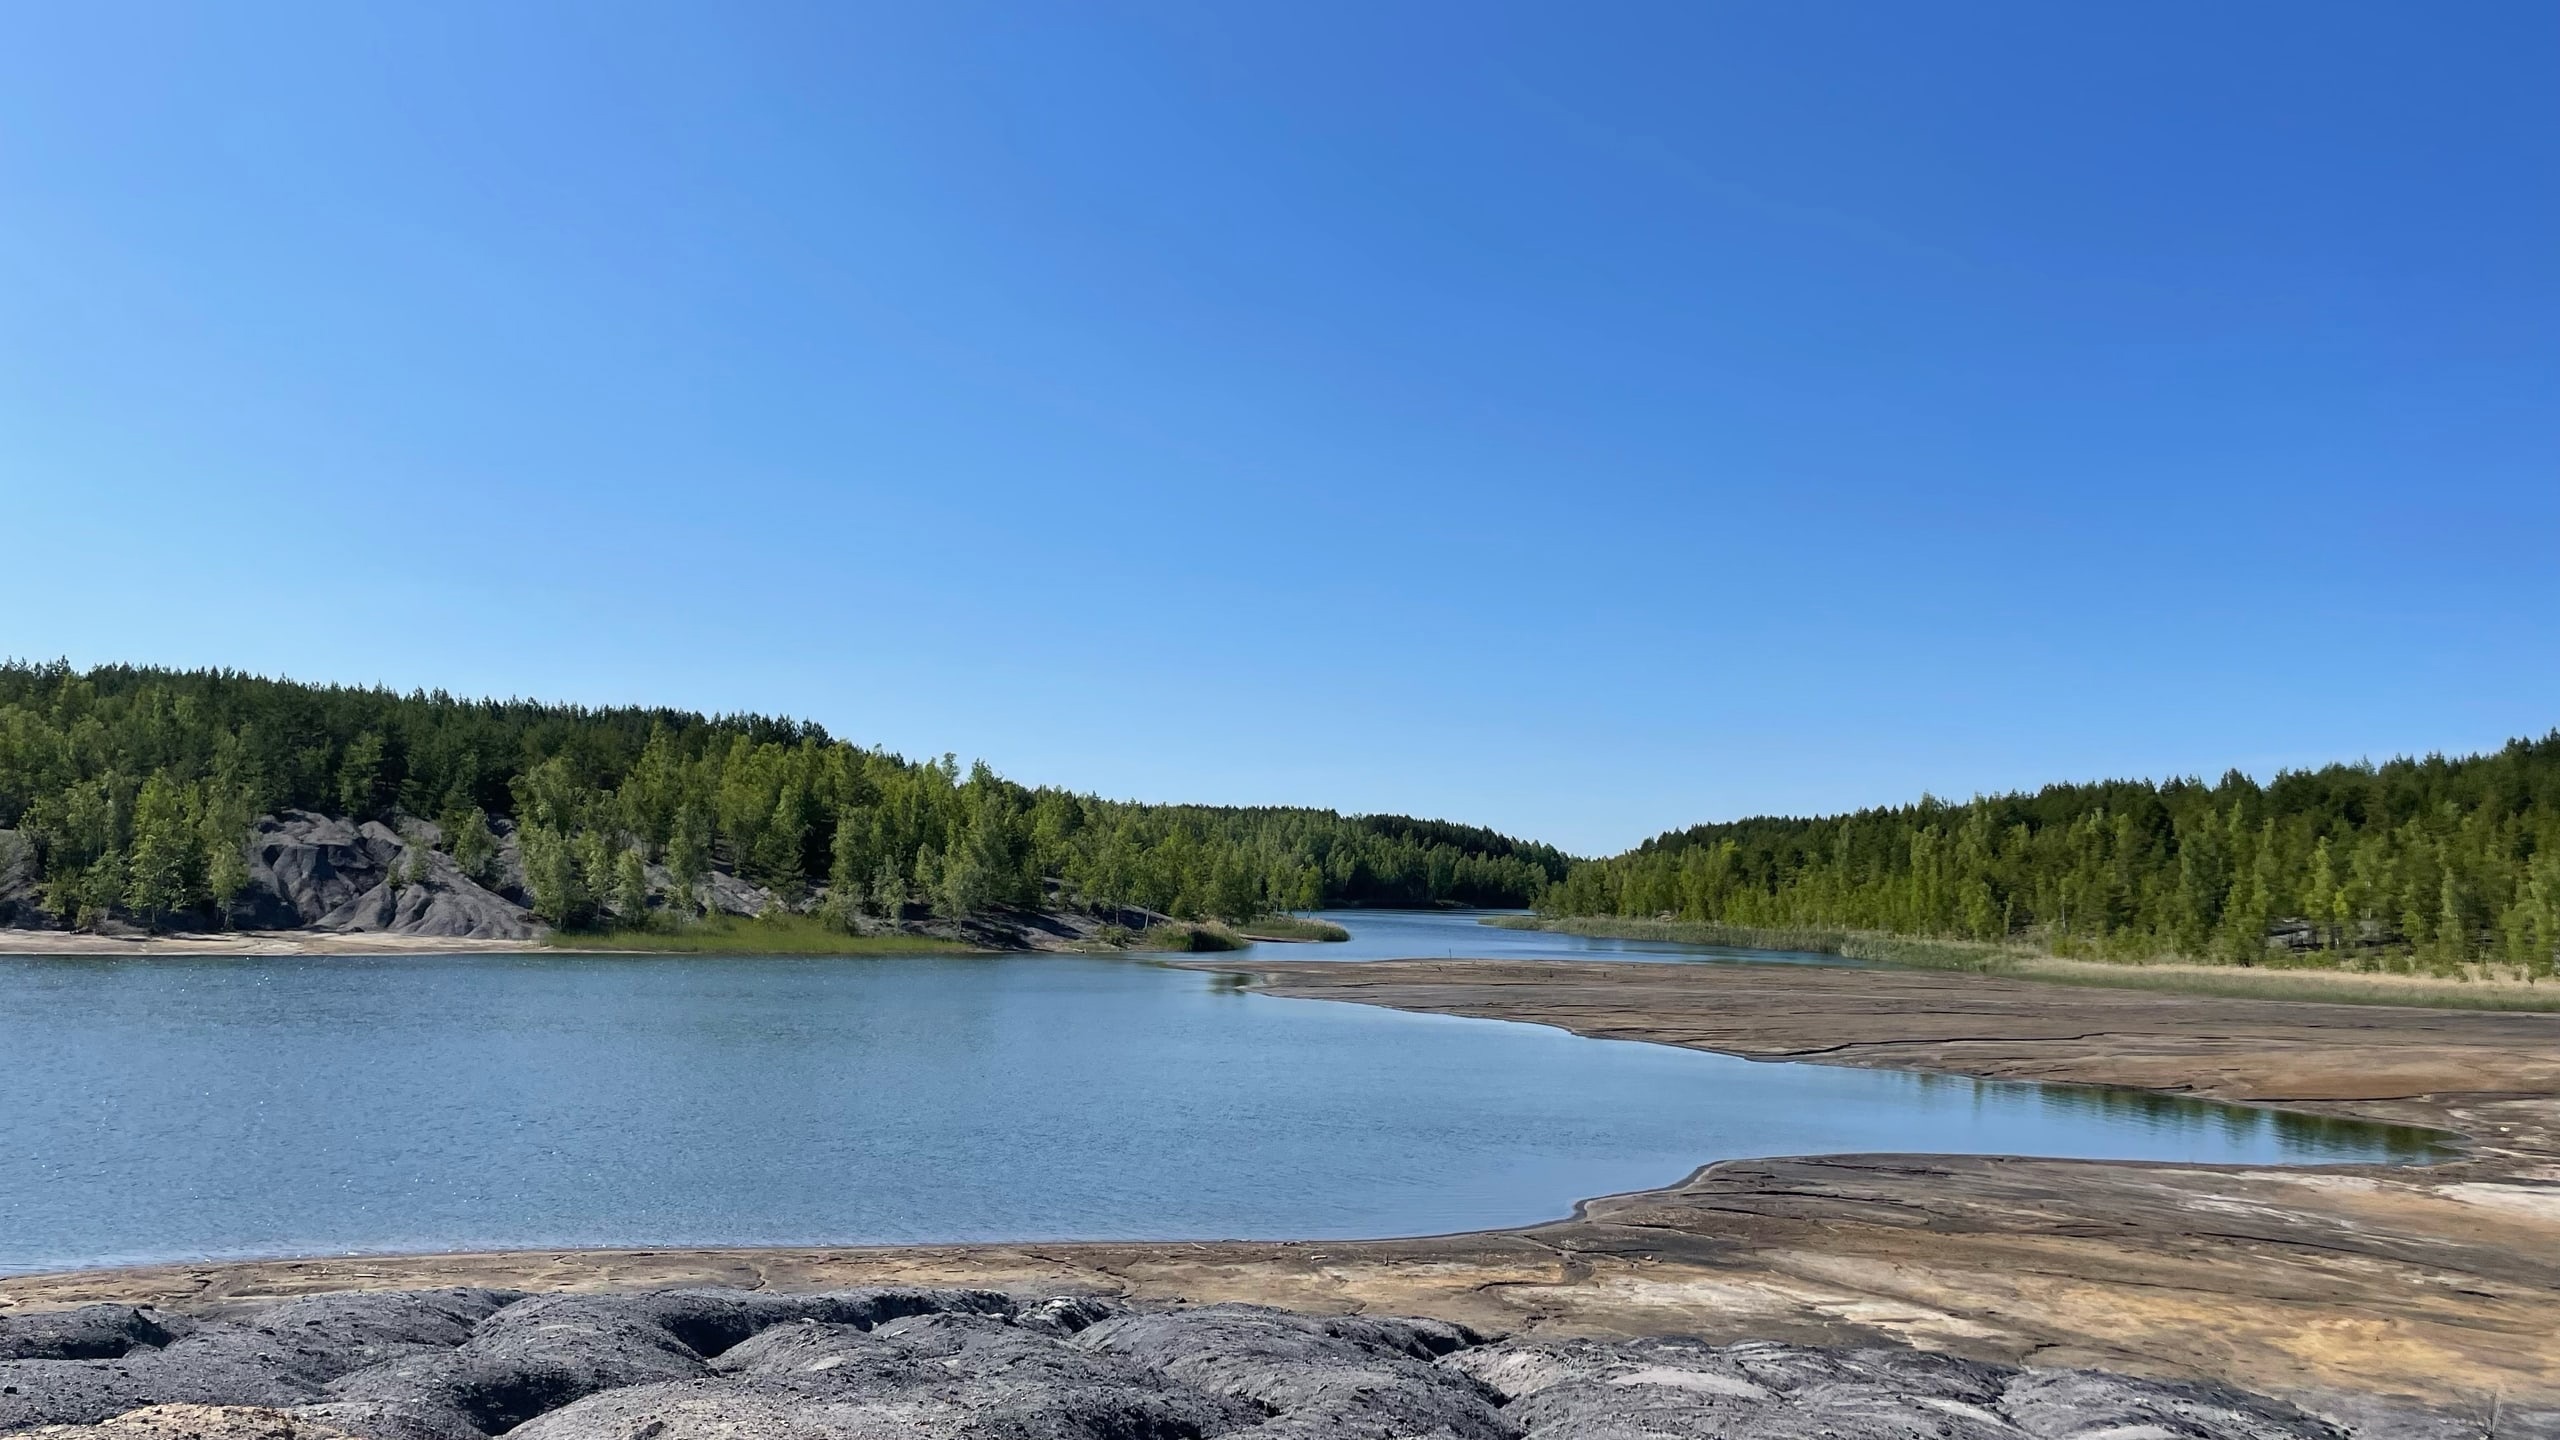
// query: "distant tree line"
[[132, 790], [2435, 861]]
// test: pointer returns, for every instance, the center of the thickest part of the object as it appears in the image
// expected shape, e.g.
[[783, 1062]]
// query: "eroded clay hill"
[[465, 1364]]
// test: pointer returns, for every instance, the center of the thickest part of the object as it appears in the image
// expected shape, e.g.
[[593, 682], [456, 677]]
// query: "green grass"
[[1187, 937], [2473, 987], [1291, 927], [784, 934]]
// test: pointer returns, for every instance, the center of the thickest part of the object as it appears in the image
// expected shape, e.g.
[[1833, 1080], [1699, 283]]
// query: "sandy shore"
[[2441, 1284]]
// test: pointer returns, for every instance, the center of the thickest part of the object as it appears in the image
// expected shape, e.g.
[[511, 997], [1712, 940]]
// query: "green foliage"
[[2437, 862], [1291, 927], [776, 801], [473, 845], [630, 887], [165, 856], [1188, 937], [776, 934], [2292, 982], [553, 876], [360, 790]]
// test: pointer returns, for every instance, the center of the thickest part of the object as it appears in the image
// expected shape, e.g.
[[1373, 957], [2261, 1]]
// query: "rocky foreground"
[[463, 1364]]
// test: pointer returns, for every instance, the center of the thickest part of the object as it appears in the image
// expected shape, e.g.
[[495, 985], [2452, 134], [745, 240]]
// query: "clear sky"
[[1579, 419]]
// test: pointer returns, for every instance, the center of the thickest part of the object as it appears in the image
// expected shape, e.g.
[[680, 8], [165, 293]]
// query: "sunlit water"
[[1459, 935], [197, 1108]]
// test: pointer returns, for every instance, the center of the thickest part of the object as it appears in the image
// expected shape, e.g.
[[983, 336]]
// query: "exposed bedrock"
[[309, 871], [466, 1364]]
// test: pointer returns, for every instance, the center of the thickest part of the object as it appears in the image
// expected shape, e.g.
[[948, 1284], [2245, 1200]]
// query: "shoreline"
[[2434, 1282], [58, 944], [2474, 986], [49, 944]]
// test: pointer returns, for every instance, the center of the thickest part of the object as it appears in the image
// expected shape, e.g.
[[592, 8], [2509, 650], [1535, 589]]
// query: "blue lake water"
[[1459, 934], [160, 1109]]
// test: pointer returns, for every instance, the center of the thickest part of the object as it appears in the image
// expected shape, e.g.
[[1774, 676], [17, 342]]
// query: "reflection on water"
[[2237, 1128], [163, 1109], [1458, 935]]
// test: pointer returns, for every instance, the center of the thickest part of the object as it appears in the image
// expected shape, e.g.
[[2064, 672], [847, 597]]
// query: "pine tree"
[[360, 776]]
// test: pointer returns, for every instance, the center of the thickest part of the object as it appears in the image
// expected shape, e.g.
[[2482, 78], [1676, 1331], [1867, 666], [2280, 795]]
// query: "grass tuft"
[[1291, 927], [779, 934], [1187, 937]]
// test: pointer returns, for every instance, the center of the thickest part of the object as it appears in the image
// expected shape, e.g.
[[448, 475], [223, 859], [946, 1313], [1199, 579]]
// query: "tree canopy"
[[134, 788], [2437, 860]]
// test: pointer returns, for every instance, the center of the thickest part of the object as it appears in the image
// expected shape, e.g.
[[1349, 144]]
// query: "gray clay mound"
[[465, 1364]]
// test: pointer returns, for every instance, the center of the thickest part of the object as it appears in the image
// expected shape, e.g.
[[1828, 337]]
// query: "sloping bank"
[[2330, 1287]]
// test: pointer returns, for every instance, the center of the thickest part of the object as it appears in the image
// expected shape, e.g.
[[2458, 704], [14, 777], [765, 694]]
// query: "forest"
[[129, 793], [2415, 863]]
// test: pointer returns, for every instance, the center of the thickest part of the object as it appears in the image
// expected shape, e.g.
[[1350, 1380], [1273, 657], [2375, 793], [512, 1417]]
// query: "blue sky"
[[1583, 420]]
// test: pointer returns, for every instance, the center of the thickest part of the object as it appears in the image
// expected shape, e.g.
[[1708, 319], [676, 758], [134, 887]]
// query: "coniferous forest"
[[2428, 862], [129, 791]]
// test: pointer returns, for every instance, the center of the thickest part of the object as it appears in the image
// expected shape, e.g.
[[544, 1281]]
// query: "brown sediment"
[[2441, 1282]]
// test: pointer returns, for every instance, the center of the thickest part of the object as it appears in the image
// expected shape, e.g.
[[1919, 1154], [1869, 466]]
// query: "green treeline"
[[134, 788], [2434, 861]]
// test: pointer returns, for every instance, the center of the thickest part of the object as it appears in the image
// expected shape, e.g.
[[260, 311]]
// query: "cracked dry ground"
[[2351, 1290]]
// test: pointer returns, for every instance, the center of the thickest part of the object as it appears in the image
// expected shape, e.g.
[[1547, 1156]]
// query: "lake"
[[1460, 934], [198, 1108]]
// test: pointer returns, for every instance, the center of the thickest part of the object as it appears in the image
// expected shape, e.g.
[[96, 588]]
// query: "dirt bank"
[[2442, 1284]]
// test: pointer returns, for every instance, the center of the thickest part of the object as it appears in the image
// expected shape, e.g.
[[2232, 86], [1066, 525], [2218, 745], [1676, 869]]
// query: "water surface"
[[163, 1109], [1460, 935]]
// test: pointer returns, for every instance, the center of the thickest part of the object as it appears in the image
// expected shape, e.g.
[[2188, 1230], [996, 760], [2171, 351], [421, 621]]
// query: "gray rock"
[[391, 1420], [102, 1360], [303, 866], [723, 892], [963, 1364], [219, 1365], [530, 1358], [21, 890], [712, 1321], [92, 1332], [950, 1374], [309, 871], [1676, 1388], [1347, 1376], [438, 899]]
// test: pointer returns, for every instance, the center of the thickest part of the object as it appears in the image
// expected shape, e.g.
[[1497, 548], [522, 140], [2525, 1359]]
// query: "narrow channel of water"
[[200, 1108], [1462, 935]]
